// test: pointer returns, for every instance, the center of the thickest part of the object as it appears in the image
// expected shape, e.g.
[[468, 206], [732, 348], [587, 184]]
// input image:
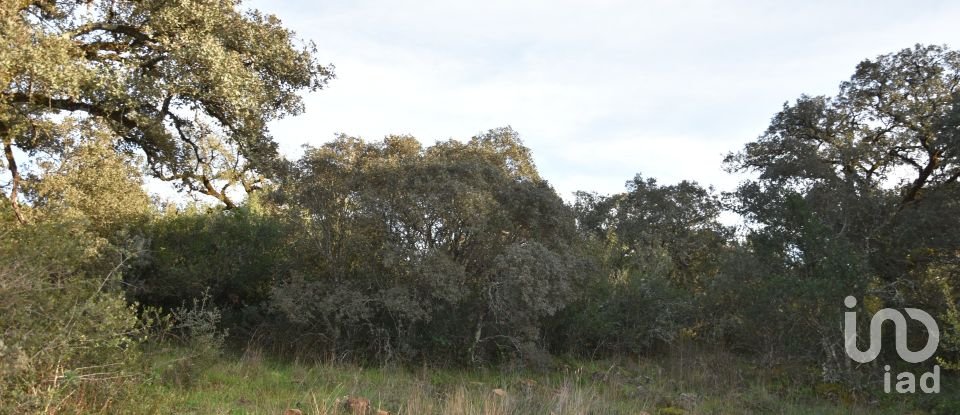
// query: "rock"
[[500, 392], [357, 405], [689, 400], [528, 385]]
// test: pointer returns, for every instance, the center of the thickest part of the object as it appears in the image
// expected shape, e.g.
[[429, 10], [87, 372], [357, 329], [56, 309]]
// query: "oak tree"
[[167, 78], [853, 195]]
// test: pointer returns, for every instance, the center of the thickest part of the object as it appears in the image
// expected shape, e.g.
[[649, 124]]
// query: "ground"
[[698, 383]]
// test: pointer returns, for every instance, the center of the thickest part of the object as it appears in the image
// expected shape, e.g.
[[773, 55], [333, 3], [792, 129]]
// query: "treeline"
[[460, 252]]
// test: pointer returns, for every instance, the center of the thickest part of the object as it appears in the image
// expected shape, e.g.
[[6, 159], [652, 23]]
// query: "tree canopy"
[[190, 84], [419, 249], [856, 195]]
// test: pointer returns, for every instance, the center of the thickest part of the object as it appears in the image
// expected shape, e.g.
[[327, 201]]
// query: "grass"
[[707, 383]]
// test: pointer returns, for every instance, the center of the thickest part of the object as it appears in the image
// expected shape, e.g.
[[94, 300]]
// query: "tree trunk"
[[15, 179]]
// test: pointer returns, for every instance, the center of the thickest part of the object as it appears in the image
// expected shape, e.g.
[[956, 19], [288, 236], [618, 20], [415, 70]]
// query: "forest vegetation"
[[445, 278]]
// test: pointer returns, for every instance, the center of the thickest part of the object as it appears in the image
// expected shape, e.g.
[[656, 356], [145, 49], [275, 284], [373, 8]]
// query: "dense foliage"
[[458, 249], [189, 84], [457, 253], [65, 319], [856, 195]]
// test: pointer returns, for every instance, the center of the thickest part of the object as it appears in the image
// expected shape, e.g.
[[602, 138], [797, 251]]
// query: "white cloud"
[[599, 90]]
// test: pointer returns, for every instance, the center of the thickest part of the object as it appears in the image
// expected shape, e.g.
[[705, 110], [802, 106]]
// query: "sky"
[[598, 90]]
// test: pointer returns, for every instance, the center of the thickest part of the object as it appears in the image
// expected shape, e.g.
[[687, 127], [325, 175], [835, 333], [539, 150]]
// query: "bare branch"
[[119, 29], [15, 173]]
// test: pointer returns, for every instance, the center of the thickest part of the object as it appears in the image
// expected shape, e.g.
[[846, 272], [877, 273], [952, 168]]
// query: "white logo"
[[906, 380], [900, 324]]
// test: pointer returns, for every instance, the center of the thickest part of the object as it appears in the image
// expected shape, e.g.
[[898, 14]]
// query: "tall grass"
[[688, 383]]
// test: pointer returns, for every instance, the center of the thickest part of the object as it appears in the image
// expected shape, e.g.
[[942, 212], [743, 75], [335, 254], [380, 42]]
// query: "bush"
[[198, 326], [626, 313], [65, 324], [230, 257]]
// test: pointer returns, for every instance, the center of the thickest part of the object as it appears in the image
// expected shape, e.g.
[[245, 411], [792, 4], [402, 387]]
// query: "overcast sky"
[[599, 90]]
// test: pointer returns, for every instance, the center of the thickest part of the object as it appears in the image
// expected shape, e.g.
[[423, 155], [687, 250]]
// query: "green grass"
[[708, 383]]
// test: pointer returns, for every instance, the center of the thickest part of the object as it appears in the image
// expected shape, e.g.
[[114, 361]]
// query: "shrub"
[[65, 324], [198, 326], [232, 257]]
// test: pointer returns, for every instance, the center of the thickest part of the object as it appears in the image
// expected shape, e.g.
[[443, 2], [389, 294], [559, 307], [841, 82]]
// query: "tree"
[[162, 75], [881, 156], [658, 247], [459, 248], [897, 116], [853, 193], [680, 221], [89, 182]]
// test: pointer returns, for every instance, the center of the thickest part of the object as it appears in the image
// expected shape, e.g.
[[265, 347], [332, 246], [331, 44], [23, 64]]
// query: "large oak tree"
[[855, 194], [190, 83]]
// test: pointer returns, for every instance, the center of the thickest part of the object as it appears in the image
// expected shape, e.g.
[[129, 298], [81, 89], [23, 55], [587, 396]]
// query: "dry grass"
[[692, 383]]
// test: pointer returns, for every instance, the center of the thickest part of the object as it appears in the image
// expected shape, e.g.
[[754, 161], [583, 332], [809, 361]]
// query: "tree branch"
[[15, 173], [120, 29], [921, 180], [71, 105], [209, 189]]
